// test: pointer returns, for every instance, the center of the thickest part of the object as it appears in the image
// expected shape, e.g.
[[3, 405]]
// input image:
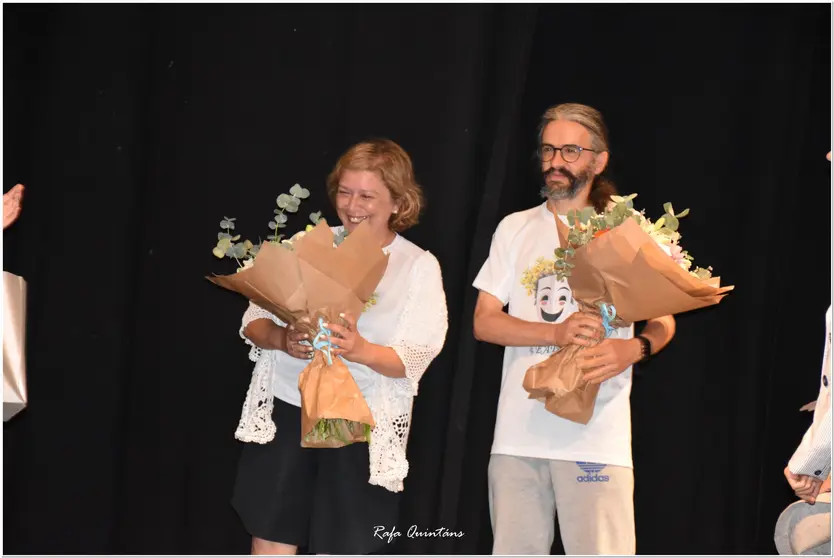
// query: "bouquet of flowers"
[[307, 281], [627, 268]]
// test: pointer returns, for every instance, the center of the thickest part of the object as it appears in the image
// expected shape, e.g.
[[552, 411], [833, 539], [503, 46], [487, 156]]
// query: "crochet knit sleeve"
[[421, 329], [255, 312]]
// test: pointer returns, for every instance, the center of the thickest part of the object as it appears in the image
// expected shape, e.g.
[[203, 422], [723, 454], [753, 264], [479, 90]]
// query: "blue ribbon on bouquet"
[[320, 344], [608, 313]]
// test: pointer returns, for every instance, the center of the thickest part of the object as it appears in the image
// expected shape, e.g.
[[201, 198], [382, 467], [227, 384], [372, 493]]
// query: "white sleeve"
[[421, 328], [496, 275], [813, 456], [256, 416], [255, 312]]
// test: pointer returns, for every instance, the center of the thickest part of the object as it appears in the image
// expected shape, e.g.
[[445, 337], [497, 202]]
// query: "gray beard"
[[558, 194], [569, 193]]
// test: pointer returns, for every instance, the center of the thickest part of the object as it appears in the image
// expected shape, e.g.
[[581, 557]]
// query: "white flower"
[[246, 265]]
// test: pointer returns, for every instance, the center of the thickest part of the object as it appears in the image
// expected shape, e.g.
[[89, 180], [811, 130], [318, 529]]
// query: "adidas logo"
[[591, 471]]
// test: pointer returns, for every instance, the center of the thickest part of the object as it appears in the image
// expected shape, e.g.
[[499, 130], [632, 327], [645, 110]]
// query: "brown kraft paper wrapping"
[[627, 269], [317, 280], [15, 396]]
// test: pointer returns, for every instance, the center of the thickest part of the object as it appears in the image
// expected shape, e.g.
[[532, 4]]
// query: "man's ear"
[[600, 163]]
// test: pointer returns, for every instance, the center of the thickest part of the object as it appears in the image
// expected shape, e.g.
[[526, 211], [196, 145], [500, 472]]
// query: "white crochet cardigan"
[[418, 338]]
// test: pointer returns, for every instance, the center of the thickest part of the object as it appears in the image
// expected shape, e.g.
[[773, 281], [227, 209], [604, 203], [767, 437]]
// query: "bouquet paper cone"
[[624, 268], [330, 392], [558, 383], [317, 280], [15, 396]]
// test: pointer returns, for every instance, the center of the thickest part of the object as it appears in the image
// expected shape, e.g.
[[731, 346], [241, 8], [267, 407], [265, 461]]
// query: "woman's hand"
[[294, 346], [346, 340]]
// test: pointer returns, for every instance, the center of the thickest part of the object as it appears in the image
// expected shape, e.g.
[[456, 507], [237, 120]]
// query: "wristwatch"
[[646, 347]]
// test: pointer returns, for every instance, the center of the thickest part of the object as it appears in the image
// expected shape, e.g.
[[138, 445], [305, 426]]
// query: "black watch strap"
[[647, 348]]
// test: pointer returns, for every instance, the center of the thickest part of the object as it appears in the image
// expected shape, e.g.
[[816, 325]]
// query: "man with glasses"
[[542, 464]]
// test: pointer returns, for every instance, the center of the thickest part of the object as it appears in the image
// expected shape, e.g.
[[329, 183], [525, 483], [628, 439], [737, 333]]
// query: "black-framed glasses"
[[570, 153]]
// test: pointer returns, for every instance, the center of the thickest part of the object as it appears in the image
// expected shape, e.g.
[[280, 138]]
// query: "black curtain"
[[136, 128]]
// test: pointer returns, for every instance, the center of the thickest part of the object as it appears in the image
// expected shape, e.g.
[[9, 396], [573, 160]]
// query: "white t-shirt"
[[377, 324], [523, 426]]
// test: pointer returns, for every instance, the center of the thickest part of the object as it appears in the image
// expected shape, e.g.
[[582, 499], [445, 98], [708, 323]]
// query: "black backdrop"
[[137, 127]]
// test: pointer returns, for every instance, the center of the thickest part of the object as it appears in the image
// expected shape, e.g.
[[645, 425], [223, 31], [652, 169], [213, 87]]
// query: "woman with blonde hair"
[[332, 501]]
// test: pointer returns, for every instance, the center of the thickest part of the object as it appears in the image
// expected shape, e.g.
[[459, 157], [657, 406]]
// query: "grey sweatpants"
[[595, 505]]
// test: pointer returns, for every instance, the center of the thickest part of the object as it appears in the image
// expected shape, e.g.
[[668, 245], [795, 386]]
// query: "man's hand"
[[804, 486], [609, 358], [580, 328]]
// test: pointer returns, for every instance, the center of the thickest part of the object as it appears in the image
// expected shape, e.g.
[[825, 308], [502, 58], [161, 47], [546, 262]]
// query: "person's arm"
[[348, 342], [493, 325], [260, 329], [420, 331], [811, 462], [659, 332], [813, 456], [265, 334]]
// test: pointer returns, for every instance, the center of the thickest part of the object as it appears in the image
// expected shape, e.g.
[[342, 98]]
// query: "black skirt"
[[317, 499]]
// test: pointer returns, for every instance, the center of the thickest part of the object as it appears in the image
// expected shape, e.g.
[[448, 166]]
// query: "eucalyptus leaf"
[[239, 251], [683, 213], [222, 235], [218, 253], [224, 224], [236, 238], [282, 225], [617, 199], [272, 225], [667, 207], [281, 218], [299, 192], [224, 243], [672, 222]]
